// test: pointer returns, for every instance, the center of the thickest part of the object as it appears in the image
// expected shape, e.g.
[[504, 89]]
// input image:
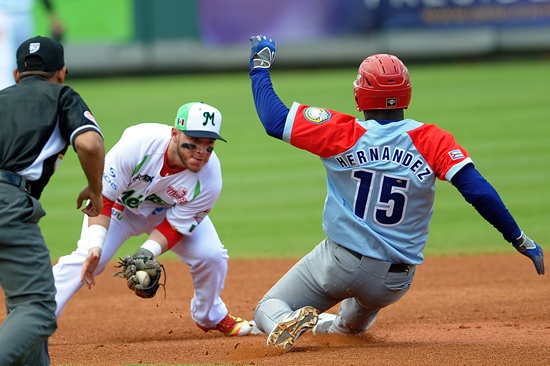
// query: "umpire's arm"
[[90, 149]]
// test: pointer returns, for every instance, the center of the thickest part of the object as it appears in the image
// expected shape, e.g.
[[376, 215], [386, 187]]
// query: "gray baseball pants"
[[331, 274]]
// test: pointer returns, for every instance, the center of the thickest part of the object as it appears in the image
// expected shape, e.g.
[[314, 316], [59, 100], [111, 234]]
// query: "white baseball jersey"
[[132, 178]]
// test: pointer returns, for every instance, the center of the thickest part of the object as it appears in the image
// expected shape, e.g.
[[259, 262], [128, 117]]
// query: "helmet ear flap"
[[357, 103], [382, 78], [355, 96]]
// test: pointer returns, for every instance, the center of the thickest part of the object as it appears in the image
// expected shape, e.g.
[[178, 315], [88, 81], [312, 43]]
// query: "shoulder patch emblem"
[[199, 216], [456, 154], [90, 117], [316, 115]]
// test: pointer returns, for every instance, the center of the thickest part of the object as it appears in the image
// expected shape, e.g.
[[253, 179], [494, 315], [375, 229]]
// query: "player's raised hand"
[[532, 250], [262, 52]]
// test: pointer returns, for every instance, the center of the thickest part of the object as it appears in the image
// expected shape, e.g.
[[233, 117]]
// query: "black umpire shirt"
[[38, 121]]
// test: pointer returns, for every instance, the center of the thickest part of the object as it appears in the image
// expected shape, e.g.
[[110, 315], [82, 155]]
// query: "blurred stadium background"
[[165, 36], [259, 214]]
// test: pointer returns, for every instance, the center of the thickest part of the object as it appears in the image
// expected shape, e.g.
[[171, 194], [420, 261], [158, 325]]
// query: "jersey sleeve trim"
[[451, 173], [170, 233], [107, 207], [290, 122], [83, 129]]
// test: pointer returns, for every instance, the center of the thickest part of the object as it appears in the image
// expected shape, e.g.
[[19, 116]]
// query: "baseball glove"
[[143, 260]]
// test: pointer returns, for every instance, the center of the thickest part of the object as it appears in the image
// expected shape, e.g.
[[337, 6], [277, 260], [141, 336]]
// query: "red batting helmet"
[[382, 82]]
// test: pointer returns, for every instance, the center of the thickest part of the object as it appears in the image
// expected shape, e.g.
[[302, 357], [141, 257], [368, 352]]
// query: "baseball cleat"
[[255, 330], [325, 325], [293, 325], [231, 326]]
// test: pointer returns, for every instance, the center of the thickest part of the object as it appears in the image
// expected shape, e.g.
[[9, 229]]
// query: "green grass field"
[[273, 193]]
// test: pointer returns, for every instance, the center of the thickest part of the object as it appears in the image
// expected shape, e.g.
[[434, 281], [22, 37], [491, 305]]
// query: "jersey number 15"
[[391, 204]]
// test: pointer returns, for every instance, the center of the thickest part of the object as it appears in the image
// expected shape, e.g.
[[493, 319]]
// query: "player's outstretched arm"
[[485, 199], [271, 110]]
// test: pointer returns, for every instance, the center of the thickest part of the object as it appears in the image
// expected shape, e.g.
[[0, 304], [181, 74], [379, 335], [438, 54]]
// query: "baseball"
[[143, 278]]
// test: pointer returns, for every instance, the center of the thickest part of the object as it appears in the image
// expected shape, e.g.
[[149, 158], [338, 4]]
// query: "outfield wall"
[[200, 35], [189, 56]]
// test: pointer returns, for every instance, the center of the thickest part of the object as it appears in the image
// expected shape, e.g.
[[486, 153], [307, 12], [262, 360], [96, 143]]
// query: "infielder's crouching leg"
[[208, 259]]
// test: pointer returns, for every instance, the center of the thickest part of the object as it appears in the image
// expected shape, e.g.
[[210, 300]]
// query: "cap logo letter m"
[[208, 117]]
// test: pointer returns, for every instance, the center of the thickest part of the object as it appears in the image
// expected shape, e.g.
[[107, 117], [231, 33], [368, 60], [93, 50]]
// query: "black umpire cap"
[[40, 54]]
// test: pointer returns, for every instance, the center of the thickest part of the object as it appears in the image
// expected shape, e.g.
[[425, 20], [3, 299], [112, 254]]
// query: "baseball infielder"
[[161, 181], [381, 174]]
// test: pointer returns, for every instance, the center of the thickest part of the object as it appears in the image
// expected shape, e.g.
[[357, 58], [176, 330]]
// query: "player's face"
[[193, 153]]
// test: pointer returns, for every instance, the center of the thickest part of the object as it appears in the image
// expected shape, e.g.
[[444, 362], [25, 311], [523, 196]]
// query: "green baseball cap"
[[199, 120]]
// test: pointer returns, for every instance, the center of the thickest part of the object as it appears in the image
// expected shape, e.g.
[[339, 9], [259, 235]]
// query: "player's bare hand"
[[89, 266], [93, 206]]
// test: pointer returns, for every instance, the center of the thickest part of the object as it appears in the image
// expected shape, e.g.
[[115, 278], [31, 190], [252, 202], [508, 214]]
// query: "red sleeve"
[[438, 147], [169, 232], [107, 207], [324, 132]]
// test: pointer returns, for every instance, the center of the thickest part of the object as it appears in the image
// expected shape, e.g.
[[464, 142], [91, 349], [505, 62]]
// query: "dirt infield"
[[459, 311]]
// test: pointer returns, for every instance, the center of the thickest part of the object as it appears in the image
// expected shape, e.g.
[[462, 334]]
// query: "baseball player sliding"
[[161, 181], [381, 174]]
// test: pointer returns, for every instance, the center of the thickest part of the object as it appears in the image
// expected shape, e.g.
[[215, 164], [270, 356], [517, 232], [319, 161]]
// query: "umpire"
[[39, 118]]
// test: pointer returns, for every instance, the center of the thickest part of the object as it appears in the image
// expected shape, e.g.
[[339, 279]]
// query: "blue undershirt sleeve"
[[270, 108], [485, 199]]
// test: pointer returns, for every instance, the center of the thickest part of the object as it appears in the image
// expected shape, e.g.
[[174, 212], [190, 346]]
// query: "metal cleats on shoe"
[[292, 326], [231, 326]]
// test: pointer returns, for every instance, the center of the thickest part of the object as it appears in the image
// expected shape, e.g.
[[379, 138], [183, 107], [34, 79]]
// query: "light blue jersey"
[[384, 210]]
